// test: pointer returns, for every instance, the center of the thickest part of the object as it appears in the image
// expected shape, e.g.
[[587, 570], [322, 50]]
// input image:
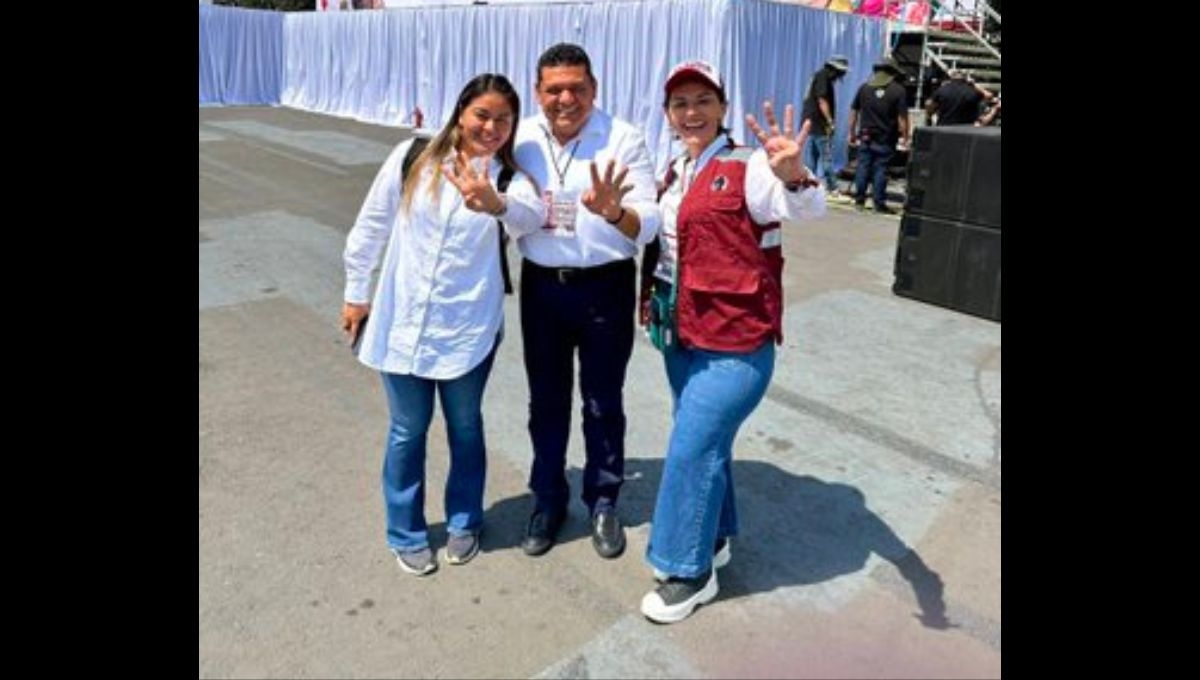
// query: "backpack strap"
[[418, 145], [506, 175]]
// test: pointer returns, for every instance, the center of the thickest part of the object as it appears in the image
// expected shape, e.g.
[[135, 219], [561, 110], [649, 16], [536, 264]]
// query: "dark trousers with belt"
[[590, 310]]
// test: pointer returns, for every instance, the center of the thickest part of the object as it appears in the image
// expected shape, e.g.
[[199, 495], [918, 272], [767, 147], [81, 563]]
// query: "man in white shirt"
[[578, 290]]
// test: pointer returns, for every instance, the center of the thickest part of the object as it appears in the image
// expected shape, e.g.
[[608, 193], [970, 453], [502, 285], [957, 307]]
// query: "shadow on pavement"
[[796, 530]]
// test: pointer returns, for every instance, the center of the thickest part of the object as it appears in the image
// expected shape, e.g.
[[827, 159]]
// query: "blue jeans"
[[818, 156], [714, 393], [410, 407], [873, 162]]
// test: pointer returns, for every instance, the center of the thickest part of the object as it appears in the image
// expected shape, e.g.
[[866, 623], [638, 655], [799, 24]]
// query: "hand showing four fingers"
[[476, 189], [783, 152], [605, 196]]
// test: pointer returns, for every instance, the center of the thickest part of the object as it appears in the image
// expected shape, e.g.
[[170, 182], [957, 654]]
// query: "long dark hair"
[[448, 137]]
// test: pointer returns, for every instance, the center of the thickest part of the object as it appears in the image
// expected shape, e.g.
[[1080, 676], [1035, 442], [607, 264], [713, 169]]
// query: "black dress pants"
[[589, 310]]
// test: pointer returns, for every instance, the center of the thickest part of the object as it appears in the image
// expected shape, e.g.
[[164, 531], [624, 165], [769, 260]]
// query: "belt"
[[568, 274]]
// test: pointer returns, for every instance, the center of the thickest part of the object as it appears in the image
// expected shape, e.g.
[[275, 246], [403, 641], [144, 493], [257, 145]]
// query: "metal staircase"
[[964, 39]]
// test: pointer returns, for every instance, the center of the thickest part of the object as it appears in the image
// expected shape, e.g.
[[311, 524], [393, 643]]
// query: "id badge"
[[563, 207]]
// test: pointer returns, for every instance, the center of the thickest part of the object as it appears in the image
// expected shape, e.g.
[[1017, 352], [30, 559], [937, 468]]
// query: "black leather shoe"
[[607, 535], [540, 533]]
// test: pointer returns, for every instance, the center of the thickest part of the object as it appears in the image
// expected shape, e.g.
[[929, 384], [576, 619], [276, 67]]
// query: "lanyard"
[[562, 174]]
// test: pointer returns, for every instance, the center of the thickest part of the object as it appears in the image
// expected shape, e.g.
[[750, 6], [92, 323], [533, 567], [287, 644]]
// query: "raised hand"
[[476, 189], [783, 152], [604, 198]]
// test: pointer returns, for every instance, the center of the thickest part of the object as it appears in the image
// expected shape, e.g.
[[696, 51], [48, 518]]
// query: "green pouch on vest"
[[661, 327]]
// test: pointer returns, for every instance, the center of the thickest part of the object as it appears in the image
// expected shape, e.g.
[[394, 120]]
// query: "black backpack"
[[506, 175]]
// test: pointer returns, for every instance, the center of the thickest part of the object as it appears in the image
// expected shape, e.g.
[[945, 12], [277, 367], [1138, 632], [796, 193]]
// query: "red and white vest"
[[730, 295]]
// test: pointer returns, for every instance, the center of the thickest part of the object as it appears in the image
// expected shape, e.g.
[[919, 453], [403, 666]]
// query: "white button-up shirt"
[[603, 137], [439, 304], [766, 198]]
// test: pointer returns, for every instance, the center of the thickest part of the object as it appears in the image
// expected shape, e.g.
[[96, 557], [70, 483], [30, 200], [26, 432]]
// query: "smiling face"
[[566, 94], [485, 124], [695, 112]]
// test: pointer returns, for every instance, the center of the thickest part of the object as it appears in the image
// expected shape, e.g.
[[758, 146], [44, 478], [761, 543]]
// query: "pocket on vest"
[[721, 280], [726, 203]]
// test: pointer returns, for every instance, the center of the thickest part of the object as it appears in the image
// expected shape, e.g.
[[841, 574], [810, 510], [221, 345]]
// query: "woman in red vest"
[[713, 300]]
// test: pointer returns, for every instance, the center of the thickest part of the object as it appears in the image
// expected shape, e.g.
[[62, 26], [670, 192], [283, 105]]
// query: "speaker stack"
[[948, 249]]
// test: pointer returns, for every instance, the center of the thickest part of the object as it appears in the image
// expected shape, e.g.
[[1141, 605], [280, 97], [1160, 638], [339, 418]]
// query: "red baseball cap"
[[695, 70]]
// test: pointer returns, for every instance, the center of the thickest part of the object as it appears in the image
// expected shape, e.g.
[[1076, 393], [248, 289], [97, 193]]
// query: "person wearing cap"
[[820, 109], [878, 125], [714, 305], [578, 291], [956, 101]]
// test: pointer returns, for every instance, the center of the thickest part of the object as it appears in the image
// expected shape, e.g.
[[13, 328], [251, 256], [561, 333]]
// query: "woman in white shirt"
[[437, 312]]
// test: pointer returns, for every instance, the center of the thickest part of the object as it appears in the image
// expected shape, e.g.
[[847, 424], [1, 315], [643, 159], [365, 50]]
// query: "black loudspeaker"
[[954, 174], [949, 263]]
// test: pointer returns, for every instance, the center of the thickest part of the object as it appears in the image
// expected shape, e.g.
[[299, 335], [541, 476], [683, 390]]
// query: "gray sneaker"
[[460, 548], [418, 562]]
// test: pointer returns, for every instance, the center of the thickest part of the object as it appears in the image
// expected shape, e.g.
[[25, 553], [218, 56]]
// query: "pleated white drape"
[[378, 66], [241, 55]]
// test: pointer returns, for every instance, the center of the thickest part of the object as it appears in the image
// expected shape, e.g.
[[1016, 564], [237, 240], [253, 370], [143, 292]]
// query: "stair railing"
[[958, 16]]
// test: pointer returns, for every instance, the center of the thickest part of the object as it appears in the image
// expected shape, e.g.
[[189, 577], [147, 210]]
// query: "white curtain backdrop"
[[378, 66], [241, 55]]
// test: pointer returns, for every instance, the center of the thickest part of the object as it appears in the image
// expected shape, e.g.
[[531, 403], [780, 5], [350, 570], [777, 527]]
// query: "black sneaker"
[[885, 210], [541, 532], [677, 598]]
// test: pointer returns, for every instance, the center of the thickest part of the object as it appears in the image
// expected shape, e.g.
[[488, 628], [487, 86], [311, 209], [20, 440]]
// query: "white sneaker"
[[676, 598]]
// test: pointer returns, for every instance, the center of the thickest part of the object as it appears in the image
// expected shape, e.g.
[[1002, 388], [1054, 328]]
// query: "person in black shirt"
[[820, 108], [878, 124], [956, 102]]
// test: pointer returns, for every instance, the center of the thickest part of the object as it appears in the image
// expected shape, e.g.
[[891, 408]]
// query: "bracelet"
[[620, 217], [793, 187]]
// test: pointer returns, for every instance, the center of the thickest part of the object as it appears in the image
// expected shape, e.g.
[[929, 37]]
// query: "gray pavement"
[[868, 479]]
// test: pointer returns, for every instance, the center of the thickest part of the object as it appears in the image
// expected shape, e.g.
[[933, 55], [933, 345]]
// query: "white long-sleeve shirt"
[[766, 198], [438, 306], [602, 138]]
